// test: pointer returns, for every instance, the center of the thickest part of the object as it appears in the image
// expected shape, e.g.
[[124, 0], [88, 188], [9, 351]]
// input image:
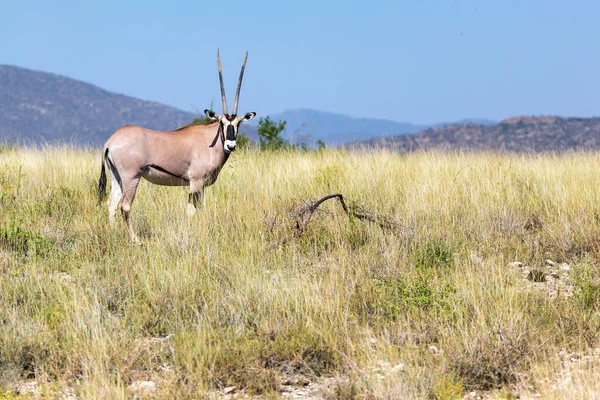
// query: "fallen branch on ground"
[[303, 214]]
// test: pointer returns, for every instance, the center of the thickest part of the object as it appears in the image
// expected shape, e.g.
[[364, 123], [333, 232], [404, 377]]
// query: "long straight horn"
[[222, 86], [237, 92]]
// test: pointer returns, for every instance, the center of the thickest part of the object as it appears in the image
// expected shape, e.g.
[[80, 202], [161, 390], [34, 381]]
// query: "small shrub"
[[320, 359], [433, 255], [448, 387], [589, 295], [395, 296], [240, 365], [344, 390], [23, 241], [536, 275], [491, 362], [243, 142], [356, 234], [270, 134]]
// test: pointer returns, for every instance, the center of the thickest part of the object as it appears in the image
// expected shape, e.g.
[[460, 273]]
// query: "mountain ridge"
[[44, 107], [516, 134]]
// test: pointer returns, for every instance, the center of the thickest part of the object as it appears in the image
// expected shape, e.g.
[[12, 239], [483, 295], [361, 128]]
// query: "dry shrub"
[[492, 361]]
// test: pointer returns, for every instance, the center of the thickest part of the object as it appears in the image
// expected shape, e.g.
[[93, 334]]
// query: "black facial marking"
[[230, 132]]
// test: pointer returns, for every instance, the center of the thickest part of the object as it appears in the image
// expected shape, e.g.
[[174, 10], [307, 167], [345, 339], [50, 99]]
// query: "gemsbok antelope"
[[192, 155]]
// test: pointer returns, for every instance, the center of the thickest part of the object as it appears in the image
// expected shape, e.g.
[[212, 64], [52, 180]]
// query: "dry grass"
[[207, 303]]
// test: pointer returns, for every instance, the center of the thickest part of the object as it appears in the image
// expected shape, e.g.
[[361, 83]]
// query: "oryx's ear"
[[248, 116], [210, 114]]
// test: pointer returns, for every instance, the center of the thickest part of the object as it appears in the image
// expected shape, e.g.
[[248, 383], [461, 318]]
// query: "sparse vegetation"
[[431, 310]]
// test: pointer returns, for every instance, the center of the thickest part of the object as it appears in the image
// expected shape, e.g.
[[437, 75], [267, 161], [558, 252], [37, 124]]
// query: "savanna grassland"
[[436, 309]]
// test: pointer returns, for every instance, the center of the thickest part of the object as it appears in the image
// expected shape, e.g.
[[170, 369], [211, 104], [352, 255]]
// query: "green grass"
[[207, 302]]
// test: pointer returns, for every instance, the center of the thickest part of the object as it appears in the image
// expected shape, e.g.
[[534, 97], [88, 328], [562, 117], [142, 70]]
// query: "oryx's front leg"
[[196, 197]]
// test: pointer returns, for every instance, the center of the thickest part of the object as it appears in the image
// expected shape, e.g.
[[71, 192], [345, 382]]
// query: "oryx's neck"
[[217, 150]]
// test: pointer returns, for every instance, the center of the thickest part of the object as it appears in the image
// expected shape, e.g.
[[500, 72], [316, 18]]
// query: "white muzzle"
[[229, 146]]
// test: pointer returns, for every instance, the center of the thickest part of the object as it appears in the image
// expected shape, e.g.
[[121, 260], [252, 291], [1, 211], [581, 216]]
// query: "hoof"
[[191, 210]]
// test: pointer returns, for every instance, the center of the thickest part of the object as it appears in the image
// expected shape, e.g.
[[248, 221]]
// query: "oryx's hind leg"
[[196, 197], [116, 194], [130, 187]]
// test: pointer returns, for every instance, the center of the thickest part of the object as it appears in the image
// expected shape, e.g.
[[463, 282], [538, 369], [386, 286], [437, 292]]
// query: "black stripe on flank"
[[165, 171]]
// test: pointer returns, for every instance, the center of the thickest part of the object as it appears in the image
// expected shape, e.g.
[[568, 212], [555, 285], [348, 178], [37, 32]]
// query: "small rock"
[[563, 353], [565, 267], [144, 387], [434, 349], [550, 263], [515, 264], [229, 389], [398, 368], [302, 381], [29, 387], [147, 386], [67, 394]]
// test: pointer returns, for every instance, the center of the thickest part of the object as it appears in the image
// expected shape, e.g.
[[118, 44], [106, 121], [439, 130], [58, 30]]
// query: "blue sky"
[[419, 61]]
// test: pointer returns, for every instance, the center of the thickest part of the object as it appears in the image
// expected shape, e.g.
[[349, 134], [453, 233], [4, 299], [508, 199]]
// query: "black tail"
[[102, 180]]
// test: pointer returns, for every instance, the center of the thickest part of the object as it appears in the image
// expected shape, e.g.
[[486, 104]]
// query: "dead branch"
[[303, 214]]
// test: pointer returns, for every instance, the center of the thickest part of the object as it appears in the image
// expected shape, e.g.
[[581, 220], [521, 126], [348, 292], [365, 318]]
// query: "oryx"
[[192, 155]]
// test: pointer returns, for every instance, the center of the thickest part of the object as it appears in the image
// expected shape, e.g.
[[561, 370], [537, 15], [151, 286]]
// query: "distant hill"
[[334, 129], [308, 125], [39, 107], [519, 134], [476, 121]]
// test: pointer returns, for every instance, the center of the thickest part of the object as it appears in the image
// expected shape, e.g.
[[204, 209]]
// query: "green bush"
[[589, 295], [23, 241], [434, 254], [269, 134]]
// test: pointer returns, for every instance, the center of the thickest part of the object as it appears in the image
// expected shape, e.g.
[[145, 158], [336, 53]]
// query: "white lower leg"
[[116, 195]]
